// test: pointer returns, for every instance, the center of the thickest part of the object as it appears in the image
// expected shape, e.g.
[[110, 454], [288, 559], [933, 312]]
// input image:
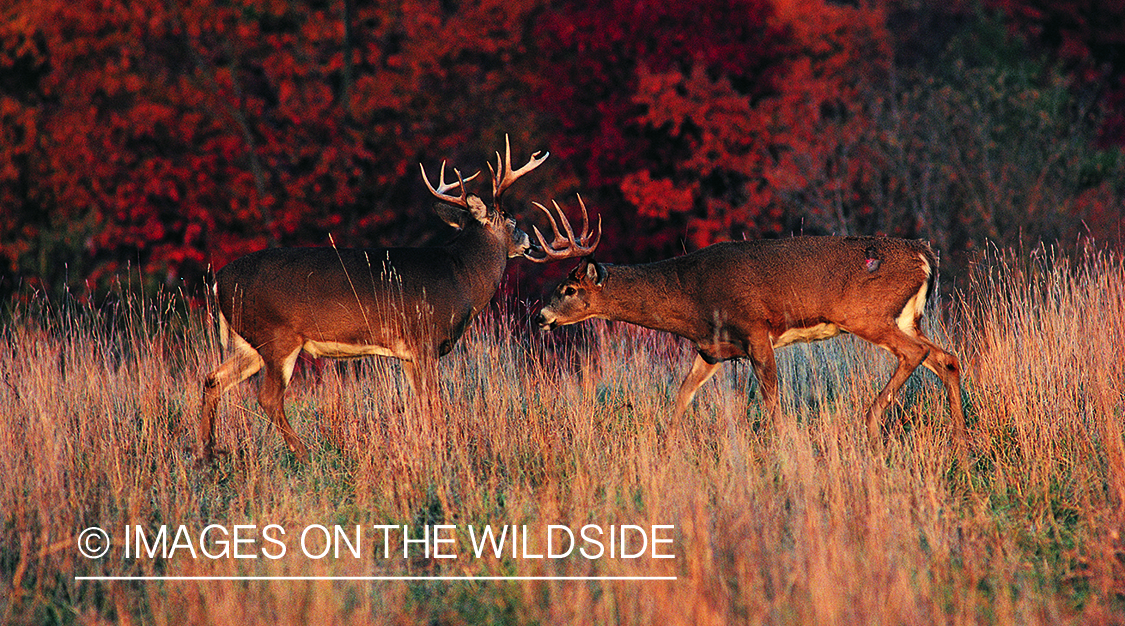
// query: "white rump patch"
[[812, 333], [912, 312]]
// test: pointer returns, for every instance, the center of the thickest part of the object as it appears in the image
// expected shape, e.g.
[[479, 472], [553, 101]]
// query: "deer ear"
[[453, 215], [477, 208], [594, 271]]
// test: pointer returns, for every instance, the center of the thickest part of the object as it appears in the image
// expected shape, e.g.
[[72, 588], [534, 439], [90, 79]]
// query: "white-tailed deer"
[[748, 298], [409, 303]]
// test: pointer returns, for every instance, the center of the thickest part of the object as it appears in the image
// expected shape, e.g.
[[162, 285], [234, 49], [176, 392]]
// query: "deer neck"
[[479, 261], [644, 295]]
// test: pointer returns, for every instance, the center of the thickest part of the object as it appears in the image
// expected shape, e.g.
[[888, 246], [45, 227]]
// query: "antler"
[[503, 176], [443, 186], [571, 246]]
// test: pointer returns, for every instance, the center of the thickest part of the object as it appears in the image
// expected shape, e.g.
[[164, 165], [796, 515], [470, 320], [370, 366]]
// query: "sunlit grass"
[[797, 524]]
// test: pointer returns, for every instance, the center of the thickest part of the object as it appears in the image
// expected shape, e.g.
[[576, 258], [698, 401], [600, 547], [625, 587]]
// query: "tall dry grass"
[[792, 525]]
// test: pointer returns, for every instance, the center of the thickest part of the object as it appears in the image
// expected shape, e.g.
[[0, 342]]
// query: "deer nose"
[[541, 321], [519, 245], [534, 251]]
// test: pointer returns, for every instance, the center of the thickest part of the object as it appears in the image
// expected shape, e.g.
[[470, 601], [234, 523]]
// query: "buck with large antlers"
[[748, 298], [409, 303]]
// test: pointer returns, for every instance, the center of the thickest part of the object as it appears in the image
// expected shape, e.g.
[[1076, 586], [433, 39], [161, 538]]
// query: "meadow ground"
[[799, 524]]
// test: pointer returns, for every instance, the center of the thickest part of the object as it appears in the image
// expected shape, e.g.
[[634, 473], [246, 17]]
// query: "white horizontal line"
[[375, 578]]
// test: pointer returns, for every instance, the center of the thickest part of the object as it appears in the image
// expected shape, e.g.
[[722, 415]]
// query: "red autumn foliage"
[[619, 81], [174, 136]]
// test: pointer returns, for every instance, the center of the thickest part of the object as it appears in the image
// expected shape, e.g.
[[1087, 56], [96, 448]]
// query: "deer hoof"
[[208, 456], [301, 452]]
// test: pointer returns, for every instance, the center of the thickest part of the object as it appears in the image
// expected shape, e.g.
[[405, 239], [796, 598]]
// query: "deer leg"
[[243, 364], [422, 374], [911, 352], [701, 371], [765, 369], [412, 377], [417, 379], [947, 368], [271, 395]]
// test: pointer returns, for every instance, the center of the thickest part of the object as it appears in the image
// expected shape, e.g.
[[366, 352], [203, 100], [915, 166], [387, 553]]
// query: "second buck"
[[409, 303], [748, 298]]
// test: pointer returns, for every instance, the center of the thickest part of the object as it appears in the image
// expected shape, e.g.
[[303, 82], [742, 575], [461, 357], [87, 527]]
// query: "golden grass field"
[[799, 524]]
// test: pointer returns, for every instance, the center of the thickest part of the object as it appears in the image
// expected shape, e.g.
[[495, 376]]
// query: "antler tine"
[[571, 246], [503, 176], [559, 239], [443, 187], [586, 234]]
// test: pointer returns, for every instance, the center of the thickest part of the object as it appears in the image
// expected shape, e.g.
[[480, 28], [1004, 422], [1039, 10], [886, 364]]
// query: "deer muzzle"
[[534, 252], [544, 320]]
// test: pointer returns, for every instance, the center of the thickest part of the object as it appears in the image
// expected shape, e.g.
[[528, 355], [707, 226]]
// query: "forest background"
[[172, 137]]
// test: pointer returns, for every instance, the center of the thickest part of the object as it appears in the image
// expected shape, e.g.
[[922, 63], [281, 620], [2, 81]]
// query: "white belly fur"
[[812, 333], [336, 350]]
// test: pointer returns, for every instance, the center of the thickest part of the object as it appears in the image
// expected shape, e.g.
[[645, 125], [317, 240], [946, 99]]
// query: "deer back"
[[805, 280]]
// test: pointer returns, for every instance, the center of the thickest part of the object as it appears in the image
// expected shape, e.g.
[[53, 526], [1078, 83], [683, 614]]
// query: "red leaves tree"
[[172, 136], [719, 120], [177, 135], [169, 130], [655, 106]]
